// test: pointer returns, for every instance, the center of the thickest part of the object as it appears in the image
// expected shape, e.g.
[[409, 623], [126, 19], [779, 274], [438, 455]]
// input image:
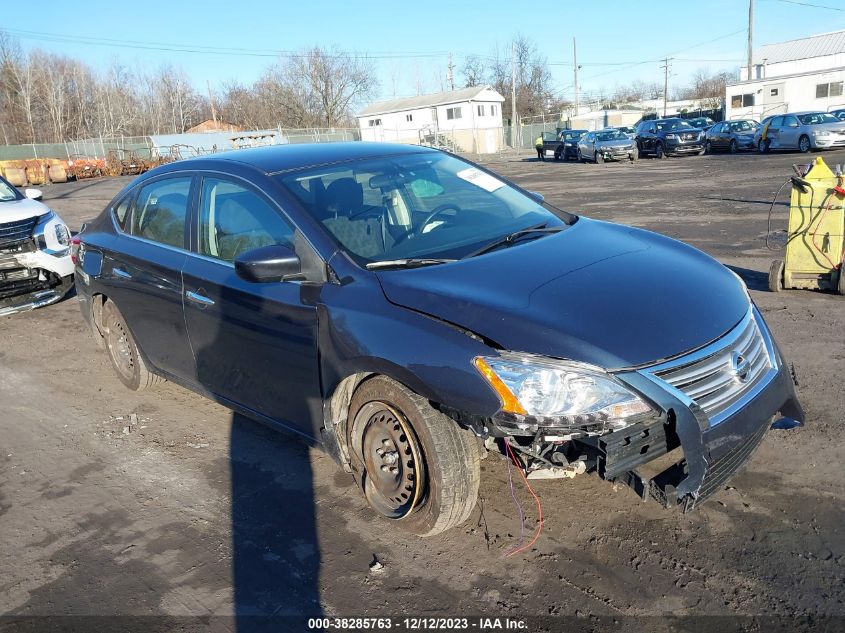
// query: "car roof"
[[278, 158]]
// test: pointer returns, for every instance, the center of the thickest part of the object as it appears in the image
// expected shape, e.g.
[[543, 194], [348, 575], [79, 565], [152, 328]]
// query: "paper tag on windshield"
[[480, 179]]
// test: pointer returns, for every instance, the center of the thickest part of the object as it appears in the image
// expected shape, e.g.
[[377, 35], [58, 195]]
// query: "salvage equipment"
[[814, 237]]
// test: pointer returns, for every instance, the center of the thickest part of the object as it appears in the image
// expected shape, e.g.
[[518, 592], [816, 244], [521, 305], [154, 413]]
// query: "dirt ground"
[[164, 503]]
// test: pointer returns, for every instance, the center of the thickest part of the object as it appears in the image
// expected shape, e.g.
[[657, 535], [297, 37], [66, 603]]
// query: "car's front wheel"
[[659, 151], [123, 351], [734, 147], [598, 157], [763, 146], [804, 144], [708, 148], [415, 465]]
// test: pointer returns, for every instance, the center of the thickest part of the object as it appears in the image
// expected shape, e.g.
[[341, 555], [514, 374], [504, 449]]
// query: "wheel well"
[[97, 303]]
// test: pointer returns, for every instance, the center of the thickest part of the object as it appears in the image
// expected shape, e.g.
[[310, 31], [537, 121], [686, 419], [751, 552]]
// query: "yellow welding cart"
[[815, 245]]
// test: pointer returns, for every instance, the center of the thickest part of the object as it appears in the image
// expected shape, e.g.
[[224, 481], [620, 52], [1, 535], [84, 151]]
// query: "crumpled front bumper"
[[712, 454], [36, 299]]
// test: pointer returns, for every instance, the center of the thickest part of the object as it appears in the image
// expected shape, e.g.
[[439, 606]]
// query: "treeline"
[[49, 98]]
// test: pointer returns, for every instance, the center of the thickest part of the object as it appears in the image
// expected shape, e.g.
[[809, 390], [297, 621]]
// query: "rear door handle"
[[199, 299], [119, 272]]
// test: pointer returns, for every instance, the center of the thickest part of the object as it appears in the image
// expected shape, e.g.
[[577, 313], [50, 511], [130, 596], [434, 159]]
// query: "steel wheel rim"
[[394, 471], [120, 349]]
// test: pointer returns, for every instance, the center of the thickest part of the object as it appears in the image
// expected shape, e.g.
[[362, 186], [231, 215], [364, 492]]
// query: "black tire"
[[446, 492], [127, 361], [804, 145], [579, 157], [557, 155], [708, 148], [599, 159], [734, 148], [840, 287], [658, 151], [763, 146], [776, 276], [635, 154]]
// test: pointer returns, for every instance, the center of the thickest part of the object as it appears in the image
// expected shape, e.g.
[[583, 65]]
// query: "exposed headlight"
[[573, 393], [671, 137], [62, 235]]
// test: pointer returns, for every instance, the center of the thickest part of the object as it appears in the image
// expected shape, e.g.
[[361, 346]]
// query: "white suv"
[[35, 262]]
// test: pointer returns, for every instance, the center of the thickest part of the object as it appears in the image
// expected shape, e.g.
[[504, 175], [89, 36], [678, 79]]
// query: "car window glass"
[[816, 118], [790, 121], [776, 122], [234, 219], [7, 192], [121, 212], [160, 211], [418, 205]]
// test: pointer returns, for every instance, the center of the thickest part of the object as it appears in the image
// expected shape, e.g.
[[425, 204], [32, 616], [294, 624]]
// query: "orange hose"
[[536, 499]]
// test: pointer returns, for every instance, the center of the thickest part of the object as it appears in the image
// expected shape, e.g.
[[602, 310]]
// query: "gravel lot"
[[165, 503]]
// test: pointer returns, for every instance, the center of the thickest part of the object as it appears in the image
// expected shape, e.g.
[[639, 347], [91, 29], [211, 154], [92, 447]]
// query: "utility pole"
[[750, 36], [575, 70], [513, 94], [665, 68], [451, 74]]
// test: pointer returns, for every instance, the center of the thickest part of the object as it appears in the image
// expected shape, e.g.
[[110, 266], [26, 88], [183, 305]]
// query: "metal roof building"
[[464, 120], [817, 52]]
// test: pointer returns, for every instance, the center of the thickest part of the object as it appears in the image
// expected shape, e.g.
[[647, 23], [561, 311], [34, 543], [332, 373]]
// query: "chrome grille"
[[725, 375], [17, 231]]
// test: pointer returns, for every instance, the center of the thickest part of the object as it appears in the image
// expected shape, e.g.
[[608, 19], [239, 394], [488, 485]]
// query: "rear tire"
[[123, 352], [776, 276], [435, 486], [841, 285], [763, 146]]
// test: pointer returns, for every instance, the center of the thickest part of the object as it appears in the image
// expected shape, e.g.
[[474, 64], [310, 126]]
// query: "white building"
[[803, 74], [465, 120]]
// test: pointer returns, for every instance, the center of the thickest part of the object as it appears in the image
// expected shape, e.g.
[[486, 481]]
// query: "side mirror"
[[268, 264], [33, 194], [537, 196]]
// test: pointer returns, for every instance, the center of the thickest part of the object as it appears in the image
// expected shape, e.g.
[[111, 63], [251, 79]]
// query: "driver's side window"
[[234, 219]]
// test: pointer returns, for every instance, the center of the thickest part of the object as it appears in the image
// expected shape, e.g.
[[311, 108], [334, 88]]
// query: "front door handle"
[[199, 299], [119, 272]]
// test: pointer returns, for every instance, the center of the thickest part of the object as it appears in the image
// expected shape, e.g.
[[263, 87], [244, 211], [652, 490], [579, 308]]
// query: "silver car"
[[609, 144], [802, 131]]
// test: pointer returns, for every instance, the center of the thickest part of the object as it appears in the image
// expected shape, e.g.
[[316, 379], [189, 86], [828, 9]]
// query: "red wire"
[[536, 499]]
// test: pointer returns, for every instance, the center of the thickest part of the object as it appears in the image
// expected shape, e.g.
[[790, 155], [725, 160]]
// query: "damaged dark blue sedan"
[[410, 311]]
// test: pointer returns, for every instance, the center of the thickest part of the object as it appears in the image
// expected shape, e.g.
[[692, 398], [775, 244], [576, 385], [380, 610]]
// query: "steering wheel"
[[437, 211]]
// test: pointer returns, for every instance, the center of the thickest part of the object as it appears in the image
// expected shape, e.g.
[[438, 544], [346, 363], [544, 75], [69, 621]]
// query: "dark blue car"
[[409, 311]]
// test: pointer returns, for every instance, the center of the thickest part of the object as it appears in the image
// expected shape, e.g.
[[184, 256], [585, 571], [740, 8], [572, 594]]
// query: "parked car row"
[[802, 131]]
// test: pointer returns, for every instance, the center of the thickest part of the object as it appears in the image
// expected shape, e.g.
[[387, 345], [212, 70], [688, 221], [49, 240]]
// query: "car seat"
[[343, 202]]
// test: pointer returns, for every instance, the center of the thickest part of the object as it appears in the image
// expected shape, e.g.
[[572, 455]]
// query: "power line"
[[815, 6], [199, 49]]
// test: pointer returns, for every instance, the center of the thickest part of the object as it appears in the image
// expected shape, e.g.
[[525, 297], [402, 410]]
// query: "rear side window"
[[234, 219], [121, 212], [161, 210]]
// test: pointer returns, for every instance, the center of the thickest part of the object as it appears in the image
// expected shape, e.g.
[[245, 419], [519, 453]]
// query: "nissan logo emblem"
[[740, 366]]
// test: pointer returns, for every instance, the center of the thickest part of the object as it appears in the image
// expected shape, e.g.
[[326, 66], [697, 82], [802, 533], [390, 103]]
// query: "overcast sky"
[[409, 42]]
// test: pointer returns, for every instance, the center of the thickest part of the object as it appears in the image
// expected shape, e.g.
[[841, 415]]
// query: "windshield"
[[818, 118], [426, 205], [670, 125], [611, 135], [7, 192], [740, 126]]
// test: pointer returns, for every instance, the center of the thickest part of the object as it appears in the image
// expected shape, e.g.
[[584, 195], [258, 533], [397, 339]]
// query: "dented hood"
[[599, 293], [16, 210]]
